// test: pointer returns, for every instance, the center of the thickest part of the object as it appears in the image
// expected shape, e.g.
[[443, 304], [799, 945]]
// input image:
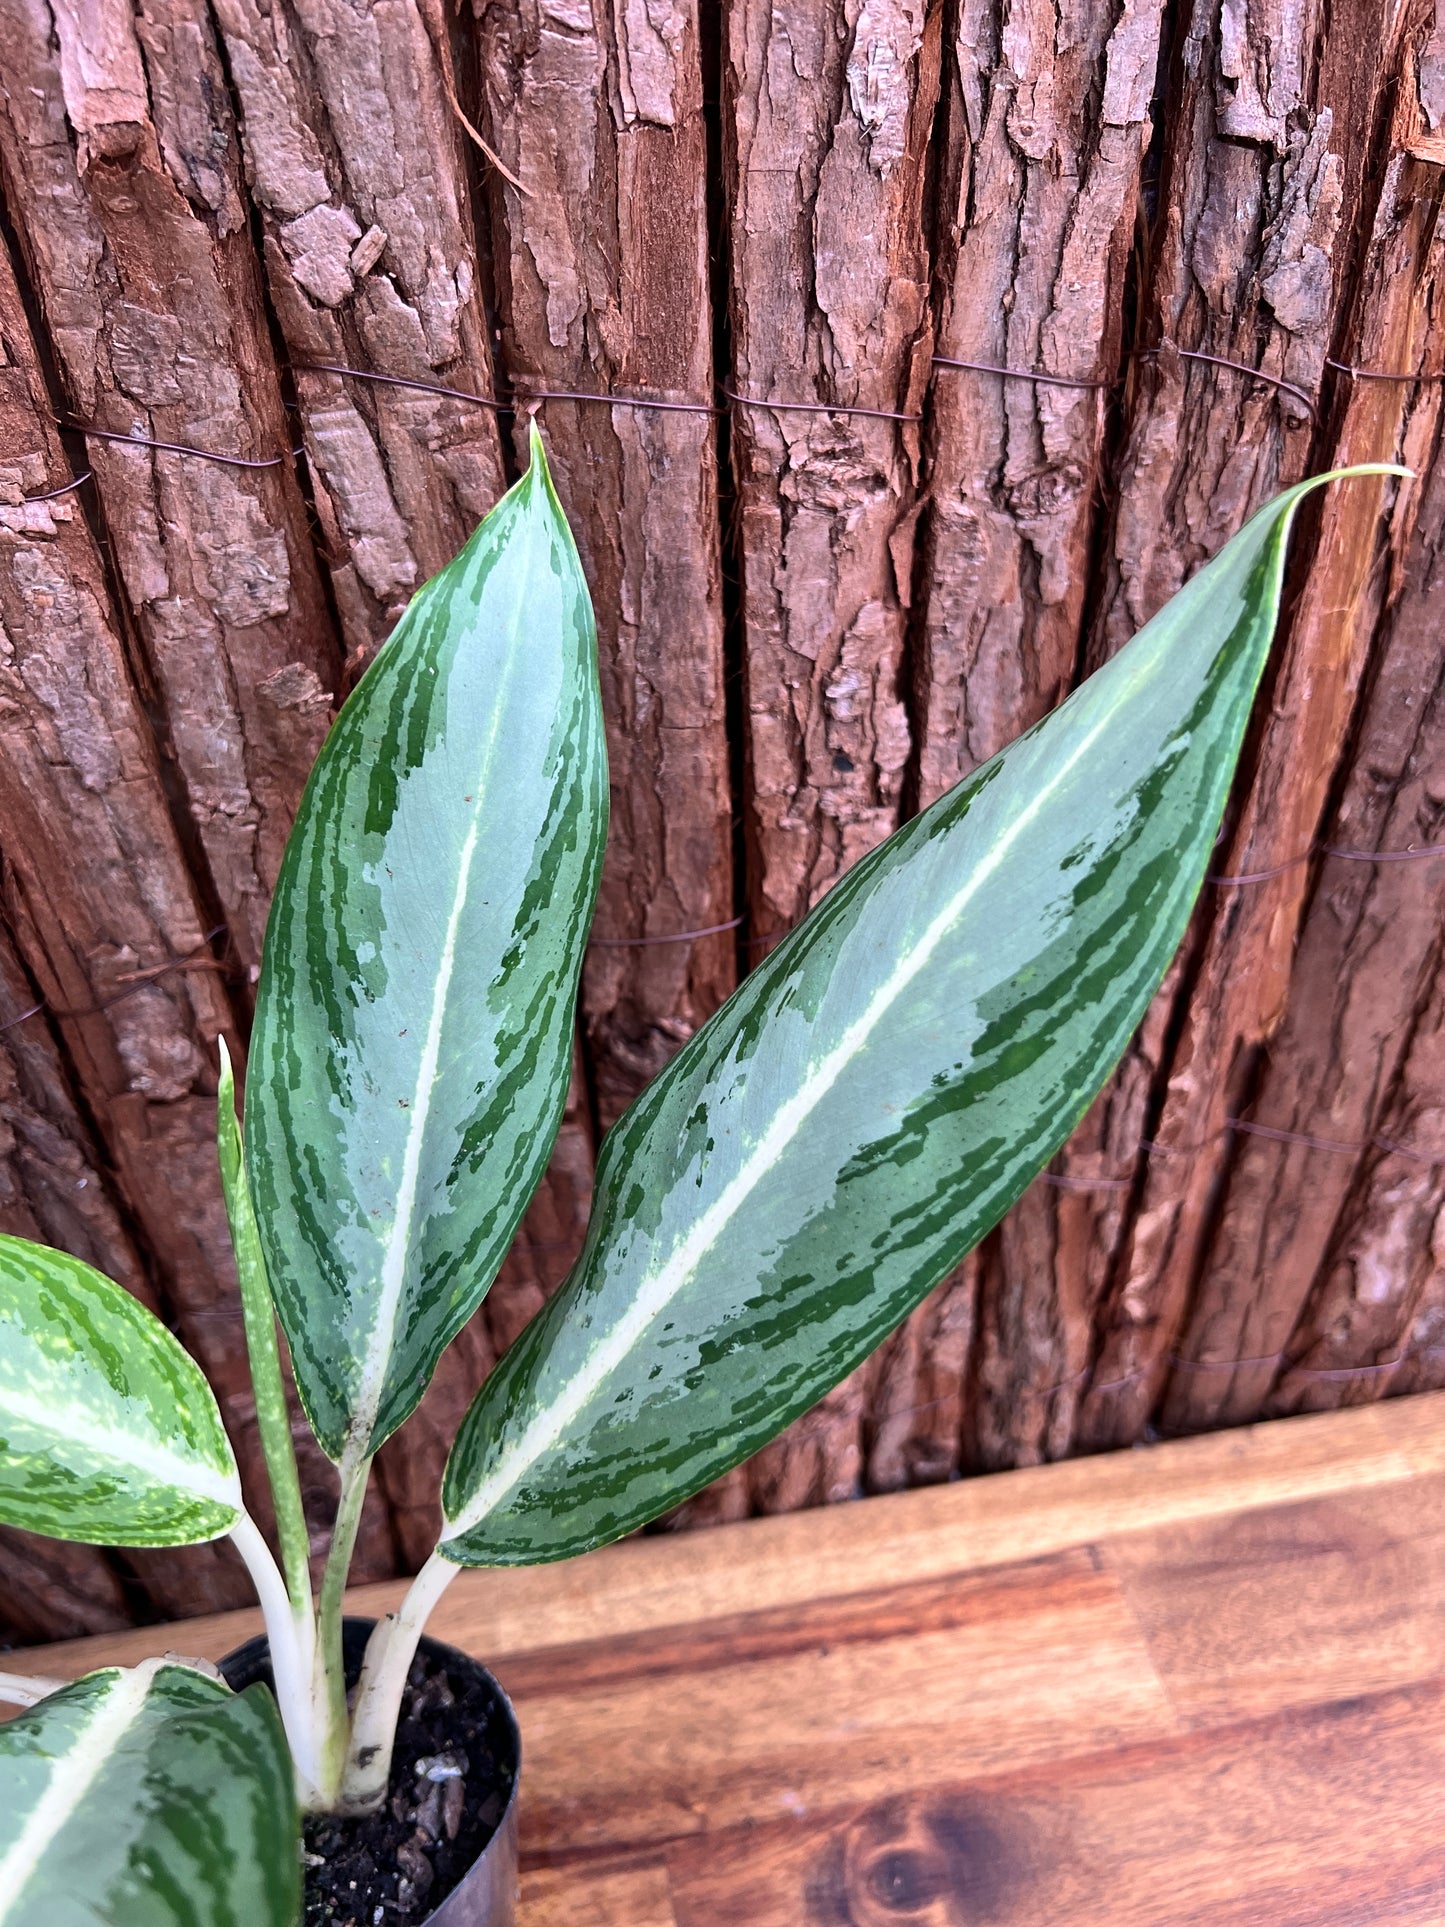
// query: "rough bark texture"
[[602, 270], [828, 110], [828, 113], [354, 158], [1047, 120], [1277, 210], [202, 199], [135, 235]]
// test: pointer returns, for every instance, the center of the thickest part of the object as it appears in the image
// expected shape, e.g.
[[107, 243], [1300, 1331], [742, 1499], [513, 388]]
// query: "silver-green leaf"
[[108, 1431], [149, 1798], [875, 1095], [411, 1053]]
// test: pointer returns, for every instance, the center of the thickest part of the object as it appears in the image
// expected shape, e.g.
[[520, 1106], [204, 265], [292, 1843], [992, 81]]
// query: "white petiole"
[[292, 1637], [389, 1653]]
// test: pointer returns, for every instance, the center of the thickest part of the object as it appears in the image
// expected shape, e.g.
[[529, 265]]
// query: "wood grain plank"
[[1325, 1818], [586, 1897], [1327, 1600], [357, 174], [837, 1720], [654, 1582]]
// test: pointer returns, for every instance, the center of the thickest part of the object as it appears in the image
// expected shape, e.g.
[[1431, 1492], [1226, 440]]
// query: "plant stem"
[[273, 1419], [389, 1653], [329, 1684], [28, 1689], [292, 1638]]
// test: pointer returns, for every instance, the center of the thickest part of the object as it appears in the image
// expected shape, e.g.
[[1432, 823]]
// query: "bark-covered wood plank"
[[1047, 118], [602, 272], [1289, 271], [828, 112], [1330, 1254], [354, 161], [105, 913], [136, 239]]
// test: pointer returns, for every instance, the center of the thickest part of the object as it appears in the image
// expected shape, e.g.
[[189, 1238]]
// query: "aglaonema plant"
[[871, 1100]]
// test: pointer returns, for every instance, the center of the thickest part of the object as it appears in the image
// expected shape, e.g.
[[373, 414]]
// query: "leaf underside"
[[152, 1798], [876, 1094], [109, 1432], [411, 1054]]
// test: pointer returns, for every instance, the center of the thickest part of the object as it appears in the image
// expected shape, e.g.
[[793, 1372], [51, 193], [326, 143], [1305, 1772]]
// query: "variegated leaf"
[[108, 1431], [151, 1798], [875, 1095], [410, 1059]]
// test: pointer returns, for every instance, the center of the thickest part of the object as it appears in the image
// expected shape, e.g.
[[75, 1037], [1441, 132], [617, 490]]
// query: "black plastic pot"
[[486, 1895]]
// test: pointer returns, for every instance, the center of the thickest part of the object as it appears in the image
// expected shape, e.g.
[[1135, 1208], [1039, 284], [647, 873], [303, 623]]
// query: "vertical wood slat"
[[138, 247], [1044, 135], [602, 272], [354, 160], [1043, 145], [1288, 263], [105, 914], [828, 112], [1332, 1254]]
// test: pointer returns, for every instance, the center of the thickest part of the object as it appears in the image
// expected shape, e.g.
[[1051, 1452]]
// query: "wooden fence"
[[939, 343]]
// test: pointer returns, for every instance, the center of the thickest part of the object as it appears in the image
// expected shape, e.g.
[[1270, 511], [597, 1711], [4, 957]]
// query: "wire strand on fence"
[[1035, 375], [175, 448], [677, 936], [527, 393], [50, 494], [135, 982], [1327, 849]]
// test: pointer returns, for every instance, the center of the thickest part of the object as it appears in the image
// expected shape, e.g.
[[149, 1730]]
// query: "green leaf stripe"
[[151, 1798], [108, 1431], [413, 1034], [875, 1095]]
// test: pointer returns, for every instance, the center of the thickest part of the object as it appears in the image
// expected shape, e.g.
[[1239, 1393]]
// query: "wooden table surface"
[[1196, 1682]]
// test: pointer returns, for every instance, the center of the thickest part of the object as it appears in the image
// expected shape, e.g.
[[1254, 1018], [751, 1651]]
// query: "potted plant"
[[869, 1102]]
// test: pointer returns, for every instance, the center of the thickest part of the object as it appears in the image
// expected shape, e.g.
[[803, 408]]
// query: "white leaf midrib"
[[53, 1419], [72, 1776], [379, 1352], [656, 1292]]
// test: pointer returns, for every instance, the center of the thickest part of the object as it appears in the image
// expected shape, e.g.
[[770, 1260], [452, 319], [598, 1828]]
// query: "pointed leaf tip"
[[536, 453], [412, 1045], [876, 1093]]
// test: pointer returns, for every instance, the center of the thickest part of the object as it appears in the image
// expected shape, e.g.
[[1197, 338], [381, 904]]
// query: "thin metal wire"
[[64, 489], [1328, 849], [816, 407], [620, 401], [530, 394], [174, 448], [404, 381], [140, 980], [1238, 367], [1026, 374], [1381, 374], [679, 936]]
